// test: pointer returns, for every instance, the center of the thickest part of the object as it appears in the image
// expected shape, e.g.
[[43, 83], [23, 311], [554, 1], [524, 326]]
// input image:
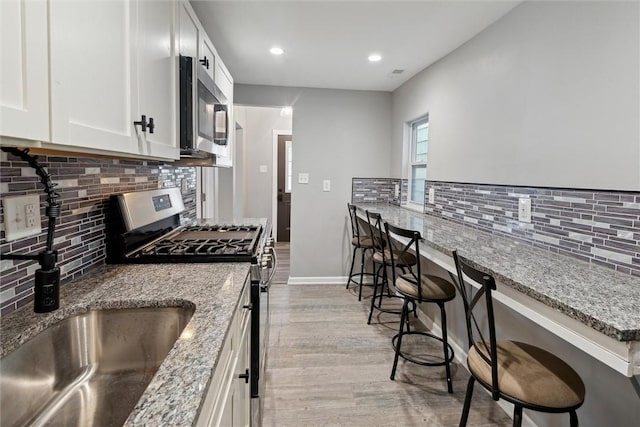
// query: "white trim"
[[319, 280], [274, 167]]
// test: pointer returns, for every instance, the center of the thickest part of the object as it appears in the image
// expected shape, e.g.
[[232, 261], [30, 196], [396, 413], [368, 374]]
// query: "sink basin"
[[89, 369]]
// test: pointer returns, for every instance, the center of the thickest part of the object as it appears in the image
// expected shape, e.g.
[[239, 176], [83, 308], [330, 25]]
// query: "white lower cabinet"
[[227, 399]]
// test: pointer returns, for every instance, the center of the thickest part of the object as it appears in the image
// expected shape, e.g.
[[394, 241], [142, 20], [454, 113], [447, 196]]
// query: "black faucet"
[[47, 278]]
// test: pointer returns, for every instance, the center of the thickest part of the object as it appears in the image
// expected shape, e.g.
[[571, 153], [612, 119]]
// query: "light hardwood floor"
[[327, 367]]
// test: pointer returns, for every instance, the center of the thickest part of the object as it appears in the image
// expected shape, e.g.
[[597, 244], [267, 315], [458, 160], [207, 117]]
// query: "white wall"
[[258, 124], [547, 96], [337, 135]]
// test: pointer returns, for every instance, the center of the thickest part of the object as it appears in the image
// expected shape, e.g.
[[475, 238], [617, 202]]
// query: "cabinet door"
[[157, 75], [207, 52], [24, 86], [224, 81], [242, 389], [189, 31], [92, 74]]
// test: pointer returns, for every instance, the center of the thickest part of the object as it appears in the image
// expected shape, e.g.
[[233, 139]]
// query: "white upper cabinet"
[[223, 80], [24, 86], [157, 76], [189, 31], [92, 74], [207, 57]]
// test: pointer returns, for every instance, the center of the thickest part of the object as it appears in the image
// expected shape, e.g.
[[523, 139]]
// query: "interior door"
[[285, 177]]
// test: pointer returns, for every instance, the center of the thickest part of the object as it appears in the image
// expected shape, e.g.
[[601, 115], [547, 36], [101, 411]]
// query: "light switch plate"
[[303, 178], [263, 169], [524, 209], [22, 216], [432, 195], [326, 185]]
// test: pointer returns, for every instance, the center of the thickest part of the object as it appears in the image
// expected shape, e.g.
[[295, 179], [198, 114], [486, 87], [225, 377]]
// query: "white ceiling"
[[327, 43]]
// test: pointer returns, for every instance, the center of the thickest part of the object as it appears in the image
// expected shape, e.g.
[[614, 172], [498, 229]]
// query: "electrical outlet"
[[524, 209], [432, 195], [326, 185], [303, 178], [22, 216], [396, 190], [184, 188]]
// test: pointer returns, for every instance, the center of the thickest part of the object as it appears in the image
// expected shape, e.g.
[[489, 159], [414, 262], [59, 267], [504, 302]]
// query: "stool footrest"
[[420, 362]]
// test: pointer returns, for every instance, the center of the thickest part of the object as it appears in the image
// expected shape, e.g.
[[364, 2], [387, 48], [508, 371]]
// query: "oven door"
[[260, 332]]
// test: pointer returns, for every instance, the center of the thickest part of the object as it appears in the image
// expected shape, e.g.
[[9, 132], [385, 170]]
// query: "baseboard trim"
[[320, 280]]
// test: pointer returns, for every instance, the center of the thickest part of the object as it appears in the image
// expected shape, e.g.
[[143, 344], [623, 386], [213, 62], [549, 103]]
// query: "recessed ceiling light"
[[374, 57], [276, 50]]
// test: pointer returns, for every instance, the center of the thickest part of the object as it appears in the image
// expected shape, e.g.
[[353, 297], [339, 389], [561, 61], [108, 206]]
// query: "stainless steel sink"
[[89, 369]]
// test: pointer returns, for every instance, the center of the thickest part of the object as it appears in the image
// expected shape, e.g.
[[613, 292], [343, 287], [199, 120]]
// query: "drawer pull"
[[248, 306], [245, 376]]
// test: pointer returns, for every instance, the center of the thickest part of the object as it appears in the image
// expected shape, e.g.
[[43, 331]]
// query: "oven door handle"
[[275, 266]]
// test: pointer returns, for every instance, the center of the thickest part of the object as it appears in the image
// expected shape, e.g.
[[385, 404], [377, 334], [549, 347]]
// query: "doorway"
[[284, 184]]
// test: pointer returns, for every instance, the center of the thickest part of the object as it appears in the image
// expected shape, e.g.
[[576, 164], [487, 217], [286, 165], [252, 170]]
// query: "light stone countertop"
[[606, 300], [174, 395]]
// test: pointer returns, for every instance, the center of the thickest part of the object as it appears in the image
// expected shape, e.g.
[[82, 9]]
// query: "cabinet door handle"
[[245, 376], [143, 123], [151, 125], [205, 62], [248, 306]]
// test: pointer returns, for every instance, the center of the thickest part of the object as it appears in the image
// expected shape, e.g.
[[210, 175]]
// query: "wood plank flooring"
[[327, 367]]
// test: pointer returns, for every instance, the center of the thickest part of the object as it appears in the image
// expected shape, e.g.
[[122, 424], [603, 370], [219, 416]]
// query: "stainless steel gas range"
[[144, 227]]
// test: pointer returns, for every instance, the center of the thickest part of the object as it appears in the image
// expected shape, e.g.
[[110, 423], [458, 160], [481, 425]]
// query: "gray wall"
[[546, 96], [337, 134], [258, 124]]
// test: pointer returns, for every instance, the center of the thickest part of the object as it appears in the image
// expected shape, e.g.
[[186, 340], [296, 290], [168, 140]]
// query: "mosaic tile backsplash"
[[85, 185], [600, 227], [379, 190]]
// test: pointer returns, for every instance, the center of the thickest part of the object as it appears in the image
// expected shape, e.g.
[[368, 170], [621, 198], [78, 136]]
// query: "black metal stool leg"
[[445, 345], [362, 251], [573, 419], [403, 316], [375, 290], [467, 402], [517, 416], [353, 260]]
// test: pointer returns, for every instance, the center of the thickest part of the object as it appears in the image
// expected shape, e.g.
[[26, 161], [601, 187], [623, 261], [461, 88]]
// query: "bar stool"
[[525, 375], [381, 261], [416, 288], [360, 241]]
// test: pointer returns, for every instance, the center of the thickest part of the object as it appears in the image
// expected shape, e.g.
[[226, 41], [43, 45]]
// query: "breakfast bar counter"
[[594, 308]]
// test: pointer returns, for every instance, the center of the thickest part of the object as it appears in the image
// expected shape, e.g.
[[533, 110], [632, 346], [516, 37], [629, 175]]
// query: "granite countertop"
[[173, 397], [606, 300]]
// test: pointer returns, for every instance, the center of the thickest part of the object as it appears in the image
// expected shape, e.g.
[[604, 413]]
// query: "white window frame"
[[413, 126]]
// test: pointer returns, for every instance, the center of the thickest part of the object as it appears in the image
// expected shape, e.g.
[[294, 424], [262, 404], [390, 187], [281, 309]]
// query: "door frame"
[[274, 192]]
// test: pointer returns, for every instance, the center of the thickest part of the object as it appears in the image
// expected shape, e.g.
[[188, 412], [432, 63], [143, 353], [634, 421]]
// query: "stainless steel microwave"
[[204, 120]]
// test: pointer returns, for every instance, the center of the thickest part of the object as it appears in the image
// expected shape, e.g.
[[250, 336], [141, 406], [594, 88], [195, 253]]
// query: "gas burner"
[[200, 247], [222, 228]]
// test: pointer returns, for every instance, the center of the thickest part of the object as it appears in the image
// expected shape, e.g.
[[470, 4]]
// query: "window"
[[418, 159]]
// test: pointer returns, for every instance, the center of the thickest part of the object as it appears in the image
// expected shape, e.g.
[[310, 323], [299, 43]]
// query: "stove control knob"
[[267, 261], [270, 242]]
